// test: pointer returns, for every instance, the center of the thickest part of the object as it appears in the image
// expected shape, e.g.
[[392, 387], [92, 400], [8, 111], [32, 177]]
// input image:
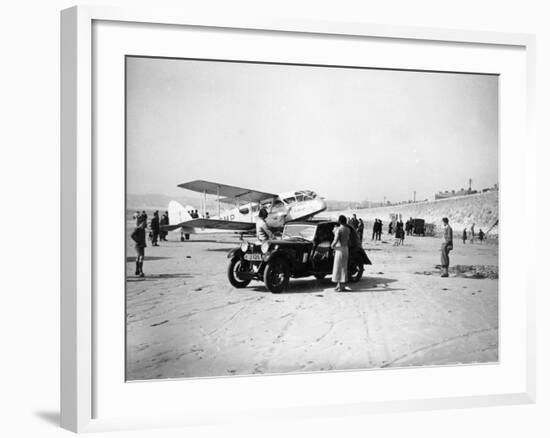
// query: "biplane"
[[241, 207]]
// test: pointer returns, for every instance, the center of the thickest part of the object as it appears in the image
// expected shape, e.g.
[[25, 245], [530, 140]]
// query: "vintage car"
[[303, 250]]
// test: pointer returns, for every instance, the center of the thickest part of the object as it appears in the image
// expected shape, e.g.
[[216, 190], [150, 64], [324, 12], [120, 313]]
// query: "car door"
[[323, 255]]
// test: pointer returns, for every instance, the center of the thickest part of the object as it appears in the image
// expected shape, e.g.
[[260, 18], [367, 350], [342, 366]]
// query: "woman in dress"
[[340, 244]]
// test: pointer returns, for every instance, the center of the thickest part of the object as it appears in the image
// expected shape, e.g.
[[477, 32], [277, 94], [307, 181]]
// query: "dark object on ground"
[[468, 271], [418, 226]]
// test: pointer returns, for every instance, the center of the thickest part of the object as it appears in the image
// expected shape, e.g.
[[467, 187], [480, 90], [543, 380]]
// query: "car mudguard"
[[234, 253]]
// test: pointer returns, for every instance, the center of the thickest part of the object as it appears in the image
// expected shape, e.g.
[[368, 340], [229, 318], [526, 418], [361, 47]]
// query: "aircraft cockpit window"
[[308, 194], [277, 206], [300, 197], [290, 200]]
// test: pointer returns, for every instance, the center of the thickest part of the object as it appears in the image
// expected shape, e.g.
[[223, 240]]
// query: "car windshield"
[[299, 231]]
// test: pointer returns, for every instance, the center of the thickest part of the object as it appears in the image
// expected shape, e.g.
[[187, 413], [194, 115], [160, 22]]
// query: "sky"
[[347, 134]]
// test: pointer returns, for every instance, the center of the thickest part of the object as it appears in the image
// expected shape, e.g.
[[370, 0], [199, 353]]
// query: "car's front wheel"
[[355, 270], [236, 265], [277, 275]]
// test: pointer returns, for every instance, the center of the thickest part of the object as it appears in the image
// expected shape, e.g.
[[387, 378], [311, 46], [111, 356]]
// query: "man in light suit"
[[446, 246]]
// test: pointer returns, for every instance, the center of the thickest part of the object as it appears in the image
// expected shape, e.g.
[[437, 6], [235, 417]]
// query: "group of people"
[[396, 228], [377, 230], [139, 235], [472, 235], [358, 225], [399, 233]]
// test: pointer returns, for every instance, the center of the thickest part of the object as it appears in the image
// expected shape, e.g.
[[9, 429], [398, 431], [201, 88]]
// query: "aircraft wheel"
[[235, 266], [319, 276]]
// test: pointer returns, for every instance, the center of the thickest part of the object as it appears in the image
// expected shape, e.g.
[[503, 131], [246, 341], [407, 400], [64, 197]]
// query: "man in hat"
[[155, 228], [163, 222], [263, 232], [138, 236]]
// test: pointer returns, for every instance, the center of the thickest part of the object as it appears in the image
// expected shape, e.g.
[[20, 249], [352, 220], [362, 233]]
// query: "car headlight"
[[265, 247], [244, 246]]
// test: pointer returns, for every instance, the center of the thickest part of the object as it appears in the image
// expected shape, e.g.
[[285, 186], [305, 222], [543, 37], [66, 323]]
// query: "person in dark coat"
[[464, 236], [360, 230], [481, 235], [164, 221], [139, 238], [155, 228], [353, 222]]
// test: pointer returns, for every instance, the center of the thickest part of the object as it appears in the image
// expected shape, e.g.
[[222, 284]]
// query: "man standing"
[[163, 222], [481, 235], [446, 246], [360, 229], [155, 228], [138, 236], [354, 222]]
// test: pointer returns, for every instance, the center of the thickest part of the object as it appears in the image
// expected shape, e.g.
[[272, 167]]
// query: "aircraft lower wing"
[[213, 224]]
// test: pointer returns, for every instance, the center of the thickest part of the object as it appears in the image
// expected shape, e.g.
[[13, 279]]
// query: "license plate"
[[253, 257]]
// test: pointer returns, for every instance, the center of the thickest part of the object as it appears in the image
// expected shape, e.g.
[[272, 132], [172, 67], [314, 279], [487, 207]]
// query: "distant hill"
[[479, 209]]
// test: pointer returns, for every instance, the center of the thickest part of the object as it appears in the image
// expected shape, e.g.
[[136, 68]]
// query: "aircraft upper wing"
[[215, 224], [231, 192]]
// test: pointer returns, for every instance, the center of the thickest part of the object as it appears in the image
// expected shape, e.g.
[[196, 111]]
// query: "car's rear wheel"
[[237, 265], [277, 275], [355, 270]]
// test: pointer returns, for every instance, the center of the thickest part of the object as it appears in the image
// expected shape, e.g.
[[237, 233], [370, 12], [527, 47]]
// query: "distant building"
[[463, 192], [453, 193]]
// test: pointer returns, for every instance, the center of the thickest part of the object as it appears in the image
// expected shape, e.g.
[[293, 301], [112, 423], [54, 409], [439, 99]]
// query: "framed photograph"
[[281, 218]]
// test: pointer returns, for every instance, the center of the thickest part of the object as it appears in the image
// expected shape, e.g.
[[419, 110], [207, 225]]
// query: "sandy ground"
[[184, 319]]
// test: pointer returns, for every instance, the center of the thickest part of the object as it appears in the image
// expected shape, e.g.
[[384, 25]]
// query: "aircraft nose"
[[321, 204]]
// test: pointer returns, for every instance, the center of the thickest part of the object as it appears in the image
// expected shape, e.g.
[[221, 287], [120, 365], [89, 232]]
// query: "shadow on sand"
[[220, 249], [310, 285], [191, 241], [147, 258], [154, 277]]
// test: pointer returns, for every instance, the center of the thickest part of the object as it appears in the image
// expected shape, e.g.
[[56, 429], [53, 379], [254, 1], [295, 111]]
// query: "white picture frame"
[[83, 369]]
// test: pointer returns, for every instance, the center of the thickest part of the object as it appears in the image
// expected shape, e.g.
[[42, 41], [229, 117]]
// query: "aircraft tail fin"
[[177, 213]]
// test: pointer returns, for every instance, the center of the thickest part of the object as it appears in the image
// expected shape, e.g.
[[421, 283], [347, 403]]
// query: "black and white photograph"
[[294, 218]]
